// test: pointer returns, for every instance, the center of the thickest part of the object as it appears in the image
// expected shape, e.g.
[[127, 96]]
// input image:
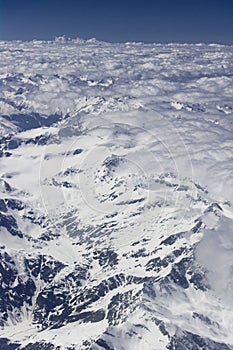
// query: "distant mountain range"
[[116, 187]]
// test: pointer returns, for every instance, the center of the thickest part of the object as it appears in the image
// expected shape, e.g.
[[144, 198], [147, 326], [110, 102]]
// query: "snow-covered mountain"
[[116, 178]]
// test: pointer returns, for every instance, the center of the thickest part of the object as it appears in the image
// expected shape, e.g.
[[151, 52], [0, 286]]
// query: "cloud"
[[215, 252]]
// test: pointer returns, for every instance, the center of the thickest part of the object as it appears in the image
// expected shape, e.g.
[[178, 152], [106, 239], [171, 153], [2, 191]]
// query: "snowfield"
[[116, 196]]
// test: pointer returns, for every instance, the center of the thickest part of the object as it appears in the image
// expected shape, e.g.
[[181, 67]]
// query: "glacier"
[[116, 183]]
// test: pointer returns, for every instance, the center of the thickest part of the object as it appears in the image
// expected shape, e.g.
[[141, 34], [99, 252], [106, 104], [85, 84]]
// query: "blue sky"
[[119, 21]]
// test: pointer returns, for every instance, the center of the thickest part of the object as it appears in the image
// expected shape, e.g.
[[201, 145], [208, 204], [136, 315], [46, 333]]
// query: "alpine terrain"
[[116, 196]]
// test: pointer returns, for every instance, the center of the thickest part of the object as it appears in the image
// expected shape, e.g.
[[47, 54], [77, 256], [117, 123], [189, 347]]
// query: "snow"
[[139, 149]]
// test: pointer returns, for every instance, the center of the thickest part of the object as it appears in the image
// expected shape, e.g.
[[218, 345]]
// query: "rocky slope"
[[116, 196]]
